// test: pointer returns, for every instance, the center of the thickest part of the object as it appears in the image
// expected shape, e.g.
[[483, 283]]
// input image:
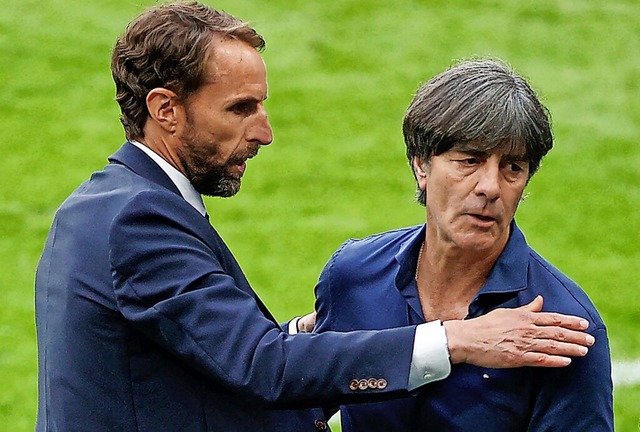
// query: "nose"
[[262, 131], [489, 180]]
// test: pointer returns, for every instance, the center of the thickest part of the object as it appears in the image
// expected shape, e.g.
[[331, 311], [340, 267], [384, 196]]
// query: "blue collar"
[[506, 279]]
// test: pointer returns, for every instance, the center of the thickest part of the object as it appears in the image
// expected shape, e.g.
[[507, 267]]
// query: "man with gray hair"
[[475, 135], [145, 320]]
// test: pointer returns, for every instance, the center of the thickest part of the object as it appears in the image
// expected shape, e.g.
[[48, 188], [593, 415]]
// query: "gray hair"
[[482, 102]]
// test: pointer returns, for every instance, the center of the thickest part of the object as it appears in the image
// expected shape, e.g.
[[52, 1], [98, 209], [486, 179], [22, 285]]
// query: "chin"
[[477, 241], [224, 188]]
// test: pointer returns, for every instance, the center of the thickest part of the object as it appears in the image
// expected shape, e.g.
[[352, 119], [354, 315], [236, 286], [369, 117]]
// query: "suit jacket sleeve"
[[173, 282]]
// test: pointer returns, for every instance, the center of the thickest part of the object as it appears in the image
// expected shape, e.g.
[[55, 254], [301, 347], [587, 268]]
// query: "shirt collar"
[[407, 255], [407, 258], [509, 274], [507, 277], [188, 192]]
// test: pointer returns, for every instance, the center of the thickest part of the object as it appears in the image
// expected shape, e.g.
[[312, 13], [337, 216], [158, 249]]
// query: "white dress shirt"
[[189, 193]]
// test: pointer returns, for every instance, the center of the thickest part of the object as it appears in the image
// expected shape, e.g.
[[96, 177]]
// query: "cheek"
[[229, 137], [443, 202], [453, 192], [222, 146], [513, 201]]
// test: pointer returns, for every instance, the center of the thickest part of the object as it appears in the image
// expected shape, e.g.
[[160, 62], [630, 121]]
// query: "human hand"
[[307, 323], [525, 336]]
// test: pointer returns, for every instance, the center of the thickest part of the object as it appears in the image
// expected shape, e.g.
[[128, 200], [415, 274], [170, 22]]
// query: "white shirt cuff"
[[430, 361], [293, 326]]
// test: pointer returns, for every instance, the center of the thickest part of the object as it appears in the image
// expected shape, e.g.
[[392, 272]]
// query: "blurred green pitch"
[[341, 75]]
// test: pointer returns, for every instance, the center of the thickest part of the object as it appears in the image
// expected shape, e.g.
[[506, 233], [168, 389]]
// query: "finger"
[[535, 305], [545, 360], [559, 320], [560, 334], [557, 348]]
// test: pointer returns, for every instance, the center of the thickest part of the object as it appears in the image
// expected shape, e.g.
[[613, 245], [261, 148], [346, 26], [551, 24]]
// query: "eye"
[[243, 108], [515, 170], [518, 166], [469, 161]]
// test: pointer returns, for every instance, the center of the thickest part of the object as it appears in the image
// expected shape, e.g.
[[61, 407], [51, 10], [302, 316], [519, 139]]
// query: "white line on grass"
[[626, 372]]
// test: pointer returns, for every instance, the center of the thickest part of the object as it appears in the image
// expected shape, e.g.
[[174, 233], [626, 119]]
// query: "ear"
[[165, 109], [421, 171]]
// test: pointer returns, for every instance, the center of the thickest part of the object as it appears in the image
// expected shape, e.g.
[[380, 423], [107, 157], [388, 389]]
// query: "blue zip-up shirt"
[[370, 284]]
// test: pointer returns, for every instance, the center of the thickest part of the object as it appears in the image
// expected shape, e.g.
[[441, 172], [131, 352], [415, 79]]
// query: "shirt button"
[[427, 375], [320, 425]]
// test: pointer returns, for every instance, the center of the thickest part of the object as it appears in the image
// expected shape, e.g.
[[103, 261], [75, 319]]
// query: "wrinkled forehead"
[[231, 57], [513, 149]]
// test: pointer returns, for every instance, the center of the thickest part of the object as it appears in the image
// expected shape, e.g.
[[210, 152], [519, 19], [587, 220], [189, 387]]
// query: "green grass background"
[[341, 74]]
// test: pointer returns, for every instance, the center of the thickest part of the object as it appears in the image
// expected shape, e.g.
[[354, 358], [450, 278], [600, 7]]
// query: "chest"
[[459, 403], [444, 307]]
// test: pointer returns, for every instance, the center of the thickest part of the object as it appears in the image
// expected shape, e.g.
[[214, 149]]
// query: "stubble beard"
[[216, 182], [208, 178]]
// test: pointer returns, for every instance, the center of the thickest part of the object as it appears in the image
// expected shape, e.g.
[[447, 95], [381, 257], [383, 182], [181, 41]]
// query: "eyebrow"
[[509, 157], [512, 157], [242, 100], [472, 152], [249, 99]]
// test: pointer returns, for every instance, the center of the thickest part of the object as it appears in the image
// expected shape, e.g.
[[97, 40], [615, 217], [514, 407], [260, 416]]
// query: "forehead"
[[512, 149], [235, 66]]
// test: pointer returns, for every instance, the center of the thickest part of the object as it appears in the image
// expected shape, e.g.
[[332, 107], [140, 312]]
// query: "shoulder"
[[363, 262], [135, 208], [561, 293], [359, 279], [146, 212], [388, 243], [112, 192]]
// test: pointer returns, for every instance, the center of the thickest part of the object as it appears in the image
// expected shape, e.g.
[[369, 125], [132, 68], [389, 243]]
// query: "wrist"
[[293, 326], [454, 330]]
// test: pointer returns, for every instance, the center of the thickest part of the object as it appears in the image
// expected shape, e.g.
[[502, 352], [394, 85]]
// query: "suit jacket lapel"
[[137, 161]]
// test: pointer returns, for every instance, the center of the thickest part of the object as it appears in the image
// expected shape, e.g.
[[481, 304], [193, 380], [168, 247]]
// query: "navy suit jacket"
[[145, 322]]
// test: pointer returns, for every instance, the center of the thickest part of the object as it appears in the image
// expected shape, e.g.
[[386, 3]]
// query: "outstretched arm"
[[524, 336]]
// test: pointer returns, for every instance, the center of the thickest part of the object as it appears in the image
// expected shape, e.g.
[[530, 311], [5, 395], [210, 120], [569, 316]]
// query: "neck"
[[448, 278], [162, 144]]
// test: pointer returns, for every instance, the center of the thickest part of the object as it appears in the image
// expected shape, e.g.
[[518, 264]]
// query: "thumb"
[[535, 305]]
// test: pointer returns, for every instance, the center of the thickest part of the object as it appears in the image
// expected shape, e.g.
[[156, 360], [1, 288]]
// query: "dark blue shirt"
[[370, 284]]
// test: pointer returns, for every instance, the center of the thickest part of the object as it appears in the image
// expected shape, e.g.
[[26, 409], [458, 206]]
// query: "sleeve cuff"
[[430, 360], [293, 326]]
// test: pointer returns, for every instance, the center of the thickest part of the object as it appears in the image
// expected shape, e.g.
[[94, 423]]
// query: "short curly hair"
[[166, 46]]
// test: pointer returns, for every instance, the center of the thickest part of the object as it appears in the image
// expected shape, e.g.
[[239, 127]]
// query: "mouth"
[[241, 163], [483, 219], [250, 155]]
